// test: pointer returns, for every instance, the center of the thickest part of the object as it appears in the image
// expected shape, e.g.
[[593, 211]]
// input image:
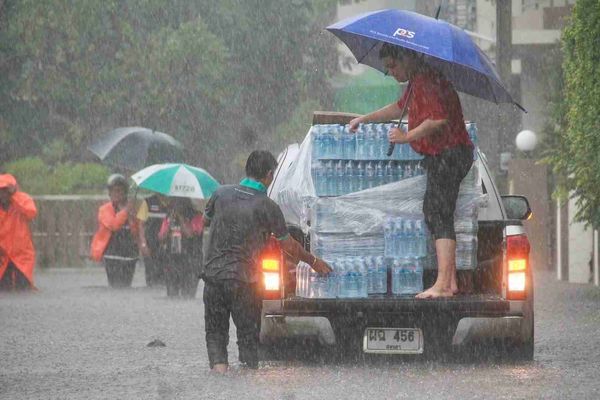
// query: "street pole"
[[503, 65]]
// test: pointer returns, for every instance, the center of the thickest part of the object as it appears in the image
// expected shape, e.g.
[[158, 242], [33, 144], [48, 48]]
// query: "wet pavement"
[[77, 339]]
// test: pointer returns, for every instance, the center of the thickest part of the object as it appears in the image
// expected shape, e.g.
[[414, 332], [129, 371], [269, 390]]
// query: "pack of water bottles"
[[363, 212], [369, 142]]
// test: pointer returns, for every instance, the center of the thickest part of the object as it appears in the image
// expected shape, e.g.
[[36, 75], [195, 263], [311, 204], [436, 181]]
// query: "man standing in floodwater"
[[239, 220], [17, 254]]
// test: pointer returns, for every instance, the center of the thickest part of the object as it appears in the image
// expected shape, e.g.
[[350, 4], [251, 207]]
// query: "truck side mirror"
[[516, 207]]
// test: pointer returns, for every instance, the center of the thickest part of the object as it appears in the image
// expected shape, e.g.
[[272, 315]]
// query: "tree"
[[577, 154], [206, 72]]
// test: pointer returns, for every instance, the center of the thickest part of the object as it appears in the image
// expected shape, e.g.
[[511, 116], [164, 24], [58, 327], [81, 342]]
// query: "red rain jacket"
[[15, 236]]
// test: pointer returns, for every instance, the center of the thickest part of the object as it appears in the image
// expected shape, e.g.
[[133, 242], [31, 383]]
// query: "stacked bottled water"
[[407, 275], [369, 142], [340, 177], [405, 237], [349, 279]]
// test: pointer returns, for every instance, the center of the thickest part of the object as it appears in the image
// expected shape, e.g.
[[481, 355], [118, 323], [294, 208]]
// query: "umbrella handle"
[[392, 145]]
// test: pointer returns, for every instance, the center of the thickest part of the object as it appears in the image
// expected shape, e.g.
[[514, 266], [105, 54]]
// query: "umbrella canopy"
[[176, 180], [134, 148], [444, 46]]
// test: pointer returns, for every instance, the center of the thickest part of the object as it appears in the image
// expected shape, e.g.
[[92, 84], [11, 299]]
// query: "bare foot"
[[454, 287], [220, 368], [434, 293]]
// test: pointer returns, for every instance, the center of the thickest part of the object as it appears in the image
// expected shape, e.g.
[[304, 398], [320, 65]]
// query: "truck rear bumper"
[[464, 321]]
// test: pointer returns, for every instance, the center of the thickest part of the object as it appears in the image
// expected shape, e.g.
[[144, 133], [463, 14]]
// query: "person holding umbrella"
[[436, 129], [437, 59], [181, 240]]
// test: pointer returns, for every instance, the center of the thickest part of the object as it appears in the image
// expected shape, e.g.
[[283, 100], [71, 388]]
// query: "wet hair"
[[117, 180], [395, 52], [259, 163]]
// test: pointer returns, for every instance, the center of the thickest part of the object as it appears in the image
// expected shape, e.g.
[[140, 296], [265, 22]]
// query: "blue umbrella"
[[443, 45]]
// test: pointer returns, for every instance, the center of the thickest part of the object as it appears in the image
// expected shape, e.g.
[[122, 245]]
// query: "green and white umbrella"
[[176, 180]]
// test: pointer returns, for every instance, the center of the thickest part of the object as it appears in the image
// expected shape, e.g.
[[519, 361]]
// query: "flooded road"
[[77, 339]]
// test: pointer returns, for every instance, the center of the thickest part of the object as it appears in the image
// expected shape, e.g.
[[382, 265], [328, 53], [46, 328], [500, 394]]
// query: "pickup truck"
[[496, 313]]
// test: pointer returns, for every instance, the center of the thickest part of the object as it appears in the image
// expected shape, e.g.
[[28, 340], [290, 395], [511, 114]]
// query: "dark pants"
[[240, 300], [445, 172], [154, 268], [119, 272], [13, 279], [181, 276]]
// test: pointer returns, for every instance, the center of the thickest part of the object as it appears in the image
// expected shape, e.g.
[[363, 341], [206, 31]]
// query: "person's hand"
[[145, 250], [397, 135], [321, 267], [353, 125]]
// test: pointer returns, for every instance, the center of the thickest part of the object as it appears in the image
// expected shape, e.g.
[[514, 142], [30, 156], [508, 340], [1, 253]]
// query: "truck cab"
[[495, 308]]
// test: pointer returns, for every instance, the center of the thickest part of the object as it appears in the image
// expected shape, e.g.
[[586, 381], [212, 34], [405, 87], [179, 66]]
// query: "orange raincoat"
[[16, 245], [108, 222]]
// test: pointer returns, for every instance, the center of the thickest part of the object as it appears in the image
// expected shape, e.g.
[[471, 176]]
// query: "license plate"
[[393, 341]]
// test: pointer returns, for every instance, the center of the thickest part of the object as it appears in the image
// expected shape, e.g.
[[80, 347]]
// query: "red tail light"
[[517, 258], [271, 262]]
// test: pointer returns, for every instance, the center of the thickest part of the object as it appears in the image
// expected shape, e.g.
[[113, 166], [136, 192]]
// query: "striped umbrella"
[[176, 180]]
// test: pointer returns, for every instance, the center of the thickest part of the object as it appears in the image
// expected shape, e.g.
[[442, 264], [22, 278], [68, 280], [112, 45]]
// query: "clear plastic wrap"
[[354, 224]]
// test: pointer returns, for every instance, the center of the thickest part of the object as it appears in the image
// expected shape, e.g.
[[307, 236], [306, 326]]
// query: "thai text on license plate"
[[393, 340]]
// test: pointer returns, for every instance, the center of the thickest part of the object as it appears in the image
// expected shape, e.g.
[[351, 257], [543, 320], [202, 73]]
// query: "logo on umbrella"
[[183, 188], [403, 32]]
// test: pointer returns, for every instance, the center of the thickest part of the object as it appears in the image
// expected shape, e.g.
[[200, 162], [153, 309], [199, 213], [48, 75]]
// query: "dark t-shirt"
[[241, 219]]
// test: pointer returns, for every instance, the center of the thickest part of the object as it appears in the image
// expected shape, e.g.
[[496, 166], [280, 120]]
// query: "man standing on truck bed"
[[239, 219], [436, 129]]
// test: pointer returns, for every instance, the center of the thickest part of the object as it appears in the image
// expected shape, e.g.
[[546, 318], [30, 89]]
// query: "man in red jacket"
[[17, 255]]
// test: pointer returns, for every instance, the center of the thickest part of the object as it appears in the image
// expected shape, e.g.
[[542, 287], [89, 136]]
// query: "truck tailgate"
[[464, 305]]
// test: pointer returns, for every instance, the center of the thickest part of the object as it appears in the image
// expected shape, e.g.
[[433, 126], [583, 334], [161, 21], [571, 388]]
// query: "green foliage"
[[36, 177], [206, 72], [578, 152]]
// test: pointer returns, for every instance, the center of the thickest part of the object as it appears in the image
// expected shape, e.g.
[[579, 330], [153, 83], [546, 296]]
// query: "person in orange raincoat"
[[17, 255], [115, 241]]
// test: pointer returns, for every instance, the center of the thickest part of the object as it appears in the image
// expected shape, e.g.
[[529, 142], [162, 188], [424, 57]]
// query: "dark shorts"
[[445, 172]]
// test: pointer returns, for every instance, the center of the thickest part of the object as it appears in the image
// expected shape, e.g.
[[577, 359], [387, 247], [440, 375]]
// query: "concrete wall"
[[580, 248]]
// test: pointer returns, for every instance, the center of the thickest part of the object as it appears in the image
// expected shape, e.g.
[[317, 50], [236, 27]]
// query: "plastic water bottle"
[[330, 179], [339, 178], [321, 179], [389, 172], [348, 140], [370, 175], [408, 171], [361, 148], [382, 140], [408, 238], [349, 180], [313, 284], [371, 274], [175, 238], [399, 245], [388, 237], [380, 284], [362, 279], [317, 143], [396, 276], [336, 142], [370, 141], [414, 276], [360, 176], [399, 172], [380, 174]]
